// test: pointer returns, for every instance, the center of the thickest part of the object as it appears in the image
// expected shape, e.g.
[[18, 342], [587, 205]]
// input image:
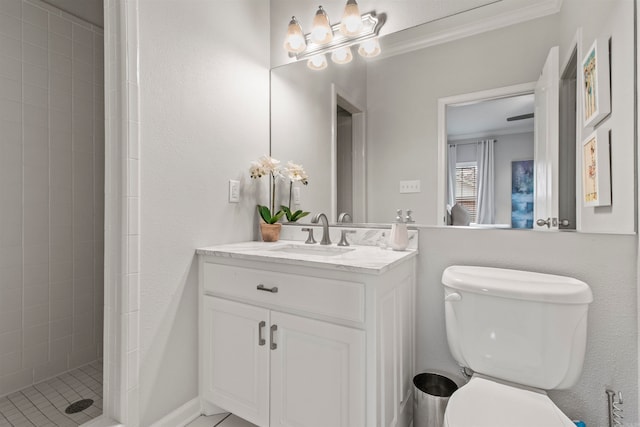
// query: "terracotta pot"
[[270, 232]]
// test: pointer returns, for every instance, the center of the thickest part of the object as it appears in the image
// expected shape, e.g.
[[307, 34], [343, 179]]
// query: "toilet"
[[521, 333]]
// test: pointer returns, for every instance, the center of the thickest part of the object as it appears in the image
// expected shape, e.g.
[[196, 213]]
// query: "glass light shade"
[[294, 42], [369, 48], [321, 29], [318, 62], [351, 23], [342, 55]]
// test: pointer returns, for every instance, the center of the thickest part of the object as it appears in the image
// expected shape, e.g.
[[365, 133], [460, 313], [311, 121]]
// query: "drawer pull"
[[261, 340], [274, 328], [262, 287]]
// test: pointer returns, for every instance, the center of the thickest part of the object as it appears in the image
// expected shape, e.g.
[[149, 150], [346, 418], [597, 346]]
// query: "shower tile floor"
[[44, 404]]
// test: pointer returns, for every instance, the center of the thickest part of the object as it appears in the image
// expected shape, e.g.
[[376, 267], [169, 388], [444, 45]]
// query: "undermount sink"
[[312, 250]]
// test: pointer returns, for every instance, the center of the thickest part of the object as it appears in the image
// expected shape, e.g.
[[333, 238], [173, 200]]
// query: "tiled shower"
[[51, 193]]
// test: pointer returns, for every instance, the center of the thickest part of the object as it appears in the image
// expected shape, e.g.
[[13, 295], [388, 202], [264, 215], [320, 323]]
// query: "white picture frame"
[[596, 169], [595, 81]]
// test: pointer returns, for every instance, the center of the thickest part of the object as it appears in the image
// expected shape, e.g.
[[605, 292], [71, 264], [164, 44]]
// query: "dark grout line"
[[221, 421]]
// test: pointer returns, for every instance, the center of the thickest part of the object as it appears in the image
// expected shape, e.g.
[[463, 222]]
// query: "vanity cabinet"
[[295, 345]]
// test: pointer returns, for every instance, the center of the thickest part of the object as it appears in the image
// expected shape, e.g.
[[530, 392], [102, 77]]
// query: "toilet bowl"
[[522, 333], [485, 402]]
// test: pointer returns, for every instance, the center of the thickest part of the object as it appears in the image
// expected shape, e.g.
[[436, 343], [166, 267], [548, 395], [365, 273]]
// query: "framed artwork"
[[596, 169], [522, 180], [596, 83]]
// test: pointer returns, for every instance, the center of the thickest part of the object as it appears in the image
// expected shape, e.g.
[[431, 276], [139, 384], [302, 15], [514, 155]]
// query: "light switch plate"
[[234, 191], [409, 186], [296, 196]]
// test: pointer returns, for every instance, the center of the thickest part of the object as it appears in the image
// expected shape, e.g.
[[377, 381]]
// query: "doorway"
[[347, 157]]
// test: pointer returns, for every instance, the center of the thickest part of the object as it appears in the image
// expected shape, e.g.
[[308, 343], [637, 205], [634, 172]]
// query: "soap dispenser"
[[399, 238]]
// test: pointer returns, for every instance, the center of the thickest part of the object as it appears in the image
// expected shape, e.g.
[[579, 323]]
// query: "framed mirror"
[[463, 54]]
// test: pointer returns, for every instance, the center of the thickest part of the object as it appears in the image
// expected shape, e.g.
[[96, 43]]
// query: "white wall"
[[51, 193], [204, 117]]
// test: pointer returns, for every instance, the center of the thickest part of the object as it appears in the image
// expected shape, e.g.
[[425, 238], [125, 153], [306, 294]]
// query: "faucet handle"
[[310, 239], [343, 237]]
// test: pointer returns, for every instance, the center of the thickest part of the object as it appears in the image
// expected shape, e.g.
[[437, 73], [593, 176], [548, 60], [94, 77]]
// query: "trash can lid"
[[486, 403]]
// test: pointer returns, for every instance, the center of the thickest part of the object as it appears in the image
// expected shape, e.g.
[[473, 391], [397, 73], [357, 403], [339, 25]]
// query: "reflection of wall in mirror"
[[402, 102]]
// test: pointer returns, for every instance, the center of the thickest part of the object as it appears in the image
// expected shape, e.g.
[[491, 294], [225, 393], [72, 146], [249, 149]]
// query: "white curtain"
[[451, 176], [485, 210]]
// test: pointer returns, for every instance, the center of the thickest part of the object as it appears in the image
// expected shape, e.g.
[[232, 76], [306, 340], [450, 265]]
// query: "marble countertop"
[[359, 259]]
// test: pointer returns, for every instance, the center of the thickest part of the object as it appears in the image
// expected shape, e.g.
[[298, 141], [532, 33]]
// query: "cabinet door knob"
[[261, 340], [274, 345], [262, 287]]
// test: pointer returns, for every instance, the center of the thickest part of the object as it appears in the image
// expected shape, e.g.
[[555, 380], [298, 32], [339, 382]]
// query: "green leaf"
[[265, 213], [301, 215], [276, 217]]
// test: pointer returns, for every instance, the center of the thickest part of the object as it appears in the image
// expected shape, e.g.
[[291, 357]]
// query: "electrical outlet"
[[296, 195], [409, 186], [234, 191]]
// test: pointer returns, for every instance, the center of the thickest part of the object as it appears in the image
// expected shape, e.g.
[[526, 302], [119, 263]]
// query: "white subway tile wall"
[[51, 193]]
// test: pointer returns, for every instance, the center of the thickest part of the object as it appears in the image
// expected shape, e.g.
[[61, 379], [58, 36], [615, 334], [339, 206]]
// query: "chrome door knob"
[[541, 222]]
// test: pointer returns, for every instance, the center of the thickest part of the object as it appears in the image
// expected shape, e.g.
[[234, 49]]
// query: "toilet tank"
[[519, 326]]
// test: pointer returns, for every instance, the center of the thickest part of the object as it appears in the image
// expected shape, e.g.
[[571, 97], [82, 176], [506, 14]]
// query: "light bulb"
[[369, 48], [318, 62], [294, 42], [321, 30], [342, 55], [351, 23]]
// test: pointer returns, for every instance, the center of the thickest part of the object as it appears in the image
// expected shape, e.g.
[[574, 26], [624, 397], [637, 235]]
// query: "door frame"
[[359, 152]]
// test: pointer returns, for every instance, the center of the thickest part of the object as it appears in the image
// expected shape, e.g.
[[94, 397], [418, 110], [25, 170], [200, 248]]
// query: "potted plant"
[[269, 227]]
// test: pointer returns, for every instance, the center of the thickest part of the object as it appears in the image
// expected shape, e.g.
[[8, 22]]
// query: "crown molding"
[[499, 14]]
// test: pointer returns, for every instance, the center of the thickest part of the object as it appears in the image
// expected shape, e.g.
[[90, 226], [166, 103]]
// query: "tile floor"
[[220, 420], [43, 404]]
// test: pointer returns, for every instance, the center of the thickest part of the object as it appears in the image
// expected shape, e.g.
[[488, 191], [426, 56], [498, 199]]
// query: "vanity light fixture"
[[355, 29], [369, 48], [318, 62], [342, 55], [351, 23], [321, 31], [294, 42]]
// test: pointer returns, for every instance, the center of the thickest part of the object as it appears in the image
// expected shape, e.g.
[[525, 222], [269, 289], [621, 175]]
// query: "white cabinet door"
[[236, 358], [395, 354], [317, 374]]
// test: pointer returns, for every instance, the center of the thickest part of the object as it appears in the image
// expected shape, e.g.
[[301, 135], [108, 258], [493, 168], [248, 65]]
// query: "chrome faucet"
[[344, 218], [325, 228]]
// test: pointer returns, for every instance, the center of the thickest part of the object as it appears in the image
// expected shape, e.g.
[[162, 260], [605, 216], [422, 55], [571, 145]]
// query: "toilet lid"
[[486, 403]]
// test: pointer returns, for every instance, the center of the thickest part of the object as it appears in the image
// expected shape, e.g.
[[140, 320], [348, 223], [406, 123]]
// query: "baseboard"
[[181, 416], [102, 421]]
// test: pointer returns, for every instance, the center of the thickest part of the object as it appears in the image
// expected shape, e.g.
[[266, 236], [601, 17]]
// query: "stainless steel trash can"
[[431, 394]]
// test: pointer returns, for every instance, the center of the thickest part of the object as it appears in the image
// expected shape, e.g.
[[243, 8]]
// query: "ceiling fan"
[[520, 117]]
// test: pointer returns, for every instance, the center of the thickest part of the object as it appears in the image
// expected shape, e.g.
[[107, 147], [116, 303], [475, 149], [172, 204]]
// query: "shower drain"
[[78, 406]]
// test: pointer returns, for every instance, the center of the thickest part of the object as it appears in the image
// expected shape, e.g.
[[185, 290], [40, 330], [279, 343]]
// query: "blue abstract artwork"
[[522, 194]]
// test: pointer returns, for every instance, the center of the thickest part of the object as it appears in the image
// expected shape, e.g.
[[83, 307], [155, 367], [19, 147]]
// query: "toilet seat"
[[486, 403]]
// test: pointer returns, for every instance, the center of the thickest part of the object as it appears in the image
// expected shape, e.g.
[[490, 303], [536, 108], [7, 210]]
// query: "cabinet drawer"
[[327, 297]]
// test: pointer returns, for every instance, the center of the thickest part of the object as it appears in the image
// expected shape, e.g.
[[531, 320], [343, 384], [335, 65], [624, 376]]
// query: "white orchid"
[[267, 165], [296, 173]]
